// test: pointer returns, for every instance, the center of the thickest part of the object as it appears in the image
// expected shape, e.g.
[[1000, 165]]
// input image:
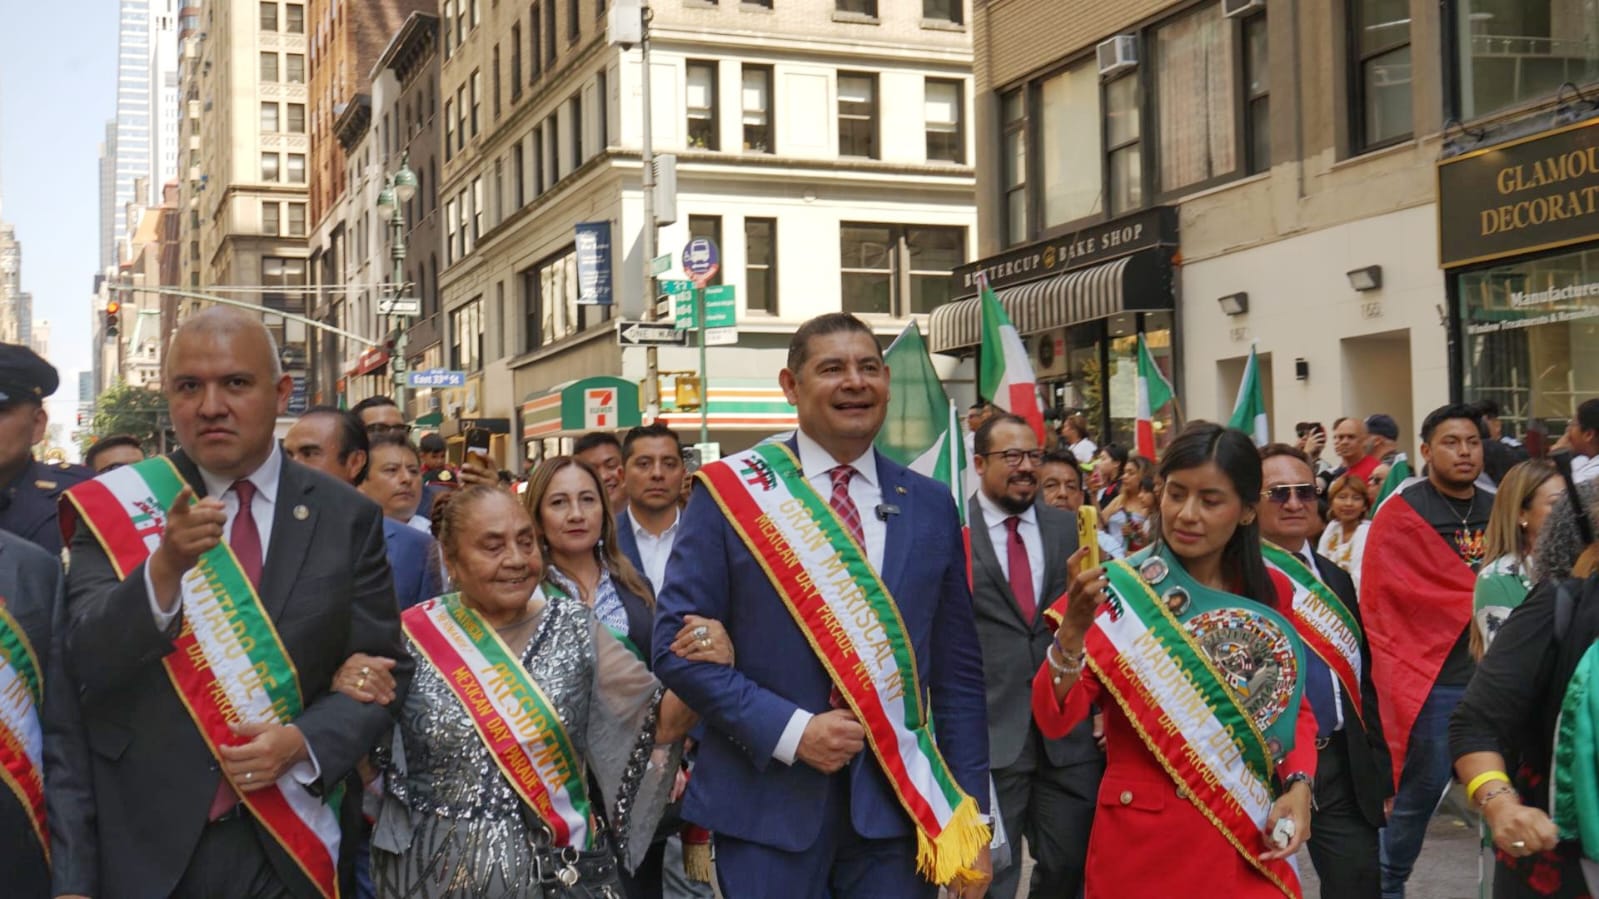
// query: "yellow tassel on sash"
[[952, 854]]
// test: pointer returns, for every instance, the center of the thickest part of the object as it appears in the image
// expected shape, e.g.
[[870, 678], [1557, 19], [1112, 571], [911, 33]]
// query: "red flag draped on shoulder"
[[1415, 600]]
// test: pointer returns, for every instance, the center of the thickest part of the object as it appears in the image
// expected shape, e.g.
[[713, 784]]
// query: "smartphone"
[[477, 448], [1088, 535]]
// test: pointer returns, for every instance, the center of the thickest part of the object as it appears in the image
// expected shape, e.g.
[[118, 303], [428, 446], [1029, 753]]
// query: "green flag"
[[922, 430], [1249, 411], [1398, 473]]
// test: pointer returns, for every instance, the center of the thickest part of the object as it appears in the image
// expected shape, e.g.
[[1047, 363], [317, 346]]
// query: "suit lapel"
[[291, 538], [897, 528], [190, 472]]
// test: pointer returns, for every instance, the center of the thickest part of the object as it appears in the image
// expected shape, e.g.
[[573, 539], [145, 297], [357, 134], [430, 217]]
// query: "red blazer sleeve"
[[1303, 756], [1056, 719]]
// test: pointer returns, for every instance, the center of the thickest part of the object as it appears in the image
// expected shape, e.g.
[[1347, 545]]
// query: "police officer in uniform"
[[30, 487]]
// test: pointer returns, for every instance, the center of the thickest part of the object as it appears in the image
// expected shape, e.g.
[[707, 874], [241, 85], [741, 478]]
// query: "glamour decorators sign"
[[1524, 196]]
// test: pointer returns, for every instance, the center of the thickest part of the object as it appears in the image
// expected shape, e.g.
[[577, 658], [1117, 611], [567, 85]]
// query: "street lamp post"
[[399, 189]]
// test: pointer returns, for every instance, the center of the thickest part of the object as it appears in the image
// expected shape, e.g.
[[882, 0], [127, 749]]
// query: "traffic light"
[[112, 317]]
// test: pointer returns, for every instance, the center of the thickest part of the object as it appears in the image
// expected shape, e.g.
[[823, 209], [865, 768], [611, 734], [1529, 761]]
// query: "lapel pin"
[[900, 490], [301, 513]]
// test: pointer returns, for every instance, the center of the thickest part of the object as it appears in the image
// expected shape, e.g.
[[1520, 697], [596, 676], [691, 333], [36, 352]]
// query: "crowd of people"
[[341, 664]]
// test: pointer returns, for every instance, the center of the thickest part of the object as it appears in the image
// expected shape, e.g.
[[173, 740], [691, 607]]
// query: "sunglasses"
[[1282, 493]]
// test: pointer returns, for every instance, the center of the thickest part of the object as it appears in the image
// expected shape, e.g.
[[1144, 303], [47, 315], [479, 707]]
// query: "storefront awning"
[[370, 360], [430, 420], [751, 406], [1140, 282], [575, 407]]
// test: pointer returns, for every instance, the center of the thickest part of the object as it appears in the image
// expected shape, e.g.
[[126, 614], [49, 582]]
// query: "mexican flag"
[[1249, 410], [1153, 392], [1398, 473], [1006, 376], [923, 430]]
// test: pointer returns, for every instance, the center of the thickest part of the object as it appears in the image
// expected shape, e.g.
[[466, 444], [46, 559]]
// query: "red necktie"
[[844, 506], [1021, 570], [246, 545]]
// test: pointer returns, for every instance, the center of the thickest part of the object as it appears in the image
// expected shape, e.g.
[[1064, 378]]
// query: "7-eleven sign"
[[599, 408]]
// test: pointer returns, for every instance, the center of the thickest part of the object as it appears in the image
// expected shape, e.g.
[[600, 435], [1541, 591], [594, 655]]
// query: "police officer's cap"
[[24, 375]]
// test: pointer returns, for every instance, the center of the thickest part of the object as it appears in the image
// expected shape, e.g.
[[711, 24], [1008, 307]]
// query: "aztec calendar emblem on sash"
[[1254, 656]]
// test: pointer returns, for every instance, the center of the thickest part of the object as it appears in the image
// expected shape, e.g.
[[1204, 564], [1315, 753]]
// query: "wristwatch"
[[1307, 780]]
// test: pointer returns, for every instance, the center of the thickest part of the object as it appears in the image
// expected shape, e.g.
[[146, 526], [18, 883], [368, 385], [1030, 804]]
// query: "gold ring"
[[361, 683]]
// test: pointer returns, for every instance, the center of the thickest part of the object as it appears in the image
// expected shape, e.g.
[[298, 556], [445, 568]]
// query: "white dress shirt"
[[817, 465], [1584, 468], [1309, 555], [653, 551], [999, 535]]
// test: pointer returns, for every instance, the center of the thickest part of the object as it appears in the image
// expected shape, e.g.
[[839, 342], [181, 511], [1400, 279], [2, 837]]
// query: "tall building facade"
[[824, 146], [16, 313], [144, 143]]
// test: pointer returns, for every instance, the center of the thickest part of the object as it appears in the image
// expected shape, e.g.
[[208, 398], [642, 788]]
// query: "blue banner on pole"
[[594, 263]]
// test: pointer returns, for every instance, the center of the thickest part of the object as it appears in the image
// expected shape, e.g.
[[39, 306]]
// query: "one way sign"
[[650, 334]]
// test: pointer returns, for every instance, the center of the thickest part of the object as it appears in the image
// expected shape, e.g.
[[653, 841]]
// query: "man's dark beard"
[[1012, 505]]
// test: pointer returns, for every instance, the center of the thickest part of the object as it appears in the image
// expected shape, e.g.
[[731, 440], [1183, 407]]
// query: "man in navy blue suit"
[[800, 806], [332, 440]]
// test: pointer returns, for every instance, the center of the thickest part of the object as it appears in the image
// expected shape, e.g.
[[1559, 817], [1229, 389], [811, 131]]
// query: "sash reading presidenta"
[[1183, 711], [228, 663], [1323, 622], [21, 740], [513, 717], [854, 627]]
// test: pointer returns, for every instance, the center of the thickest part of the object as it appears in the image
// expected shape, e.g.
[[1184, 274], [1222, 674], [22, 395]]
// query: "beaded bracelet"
[[1063, 669], [1492, 794]]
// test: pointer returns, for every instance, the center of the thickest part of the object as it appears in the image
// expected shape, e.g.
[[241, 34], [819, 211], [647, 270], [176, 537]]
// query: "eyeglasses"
[[380, 428], [1013, 458], [1282, 493]]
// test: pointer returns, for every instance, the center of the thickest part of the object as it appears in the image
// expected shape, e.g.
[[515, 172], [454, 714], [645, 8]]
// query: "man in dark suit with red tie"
[[1046, 788], [167, 804]]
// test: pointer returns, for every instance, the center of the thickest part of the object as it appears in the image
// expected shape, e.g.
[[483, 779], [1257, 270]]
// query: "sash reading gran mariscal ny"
[[228, 664], [853, 625], [513, 717]]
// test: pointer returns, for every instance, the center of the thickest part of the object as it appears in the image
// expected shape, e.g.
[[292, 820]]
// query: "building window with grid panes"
[[269, 67], [294, 115], [516, 62], [270, 224], [269, 118], [466, 336], [518, 176], [494, 81], [478, 210], [1070, 165], [1257, 94], [449, 129], [1013, 165], [460, 118], [294, 18], [447, 20], [1509, 52], [477, 98], [1124, 158], [1194, 76], [760, 265], [857, 115], [450, 253], [700, 94], [946, 140], [574, 123], [1380, 72], [463, 202], [756, 100], [294, 68], [898, 270], [296, 219], [269, 16], [269, 167], [857, 7], [295, 169], [942, 11], [710, 227]]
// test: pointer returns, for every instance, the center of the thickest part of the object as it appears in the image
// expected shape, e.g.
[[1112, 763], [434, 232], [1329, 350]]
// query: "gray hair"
[[225, 321], [1560, 543]]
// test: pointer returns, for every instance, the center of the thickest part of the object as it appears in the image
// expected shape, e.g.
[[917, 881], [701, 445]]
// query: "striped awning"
[[1042, 305]]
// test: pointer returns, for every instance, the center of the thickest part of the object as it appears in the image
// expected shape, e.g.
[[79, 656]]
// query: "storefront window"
[[1511, 51], [1531, 339], [1101, 377]]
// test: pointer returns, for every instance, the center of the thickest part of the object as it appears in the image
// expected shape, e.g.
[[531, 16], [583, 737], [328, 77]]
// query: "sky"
[[57, 90]]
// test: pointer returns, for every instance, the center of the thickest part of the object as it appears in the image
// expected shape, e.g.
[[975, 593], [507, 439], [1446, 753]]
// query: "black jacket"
[[1370, 765]]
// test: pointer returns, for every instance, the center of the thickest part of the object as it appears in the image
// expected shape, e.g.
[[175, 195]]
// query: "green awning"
[[430, 420], [575, 407]]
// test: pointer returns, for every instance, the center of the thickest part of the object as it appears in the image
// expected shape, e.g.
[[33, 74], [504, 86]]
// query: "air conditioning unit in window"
[[1235, 8], [1117, 54]]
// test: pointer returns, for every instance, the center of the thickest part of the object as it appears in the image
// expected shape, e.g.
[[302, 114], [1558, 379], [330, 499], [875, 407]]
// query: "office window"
[[602, 117], [1257, 94], [858, 7], [945, 138], [1508, 52], [942, 10], [461, 16], [518, 176], [296, 168], [296, 219], [1380, 70], [857, 115], [478, 210], [477, 12], [494, 80], [295, 123], [1196, 131], [269, 167], [760, 265], [549, 304], [269, 117], [701, 100], [294, 18], [757, 103], [269, 16], [466, 336], [1124, 157], [536, 145], [477, 98], [535, 46], [708, 226], [448, 21], [269, 67], [1070, 160], [270, 224], [450, 227], [449, 129], [460, 118], [573, 28], [1013, 165], [463, 203], [549, 32], [516, 62], [898, 269], [294, 68], [574, 123]]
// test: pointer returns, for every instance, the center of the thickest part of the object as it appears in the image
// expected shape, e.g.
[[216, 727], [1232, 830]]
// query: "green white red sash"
[[228, 664], [854, 626], [1183, 711], [21, 740], [1324, 623], [515, 720]]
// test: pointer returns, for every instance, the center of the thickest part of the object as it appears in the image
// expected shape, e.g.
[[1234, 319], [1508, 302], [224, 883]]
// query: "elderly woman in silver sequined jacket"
[[451, 824]]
